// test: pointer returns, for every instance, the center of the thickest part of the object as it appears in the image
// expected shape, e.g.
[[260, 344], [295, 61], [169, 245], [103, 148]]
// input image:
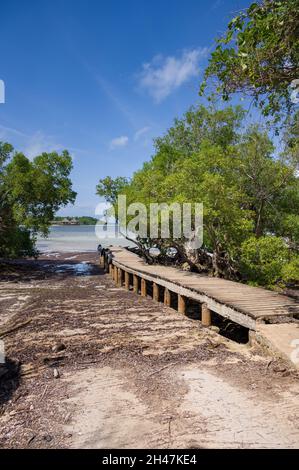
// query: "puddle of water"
[[79, 269]]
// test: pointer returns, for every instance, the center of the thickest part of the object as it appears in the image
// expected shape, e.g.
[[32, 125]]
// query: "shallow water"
[[76, 238]]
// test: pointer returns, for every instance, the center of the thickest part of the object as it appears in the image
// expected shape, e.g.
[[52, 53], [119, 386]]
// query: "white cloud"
[[141, 132], [39, 143], [163, 75], [121, 141]]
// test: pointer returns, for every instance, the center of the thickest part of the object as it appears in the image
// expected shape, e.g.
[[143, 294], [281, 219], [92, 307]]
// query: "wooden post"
[[111, 270], [127, 280], [143, 287], [119, 277], [115, 274], [102, 261], [106, 265], [205, 315], [135, 284], [167, 297], [181, 304], [155, 292]]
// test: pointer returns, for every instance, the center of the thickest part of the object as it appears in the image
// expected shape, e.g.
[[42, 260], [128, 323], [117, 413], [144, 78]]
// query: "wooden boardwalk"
[[243, 304]]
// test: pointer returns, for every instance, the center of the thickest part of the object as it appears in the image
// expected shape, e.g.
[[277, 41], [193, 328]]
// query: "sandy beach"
[[90, 365]]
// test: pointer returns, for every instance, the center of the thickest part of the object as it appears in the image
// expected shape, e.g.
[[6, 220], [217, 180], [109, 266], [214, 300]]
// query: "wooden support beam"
[[115, 273], [143, 287], [127, 280], [119, 277], [206, 319], [155, 292], [106, 266], [135, 284], [102, 261], [181, 304], [167, 297], [111, 270]]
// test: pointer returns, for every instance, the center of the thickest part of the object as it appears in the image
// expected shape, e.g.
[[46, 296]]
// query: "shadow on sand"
[[9, 380]]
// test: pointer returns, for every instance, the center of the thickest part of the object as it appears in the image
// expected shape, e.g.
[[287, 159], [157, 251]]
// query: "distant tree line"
[[82, 220]]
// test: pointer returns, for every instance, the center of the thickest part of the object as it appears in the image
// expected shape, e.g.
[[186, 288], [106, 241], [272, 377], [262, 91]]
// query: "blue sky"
[[102, 78]]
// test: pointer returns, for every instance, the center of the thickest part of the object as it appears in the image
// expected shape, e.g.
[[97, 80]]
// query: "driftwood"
[[14, 328], [31, 370]]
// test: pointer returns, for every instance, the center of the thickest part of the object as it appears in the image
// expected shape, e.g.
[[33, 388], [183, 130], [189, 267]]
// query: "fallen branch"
[[14, 328], [54, 359], [32, 370], [162, 368]]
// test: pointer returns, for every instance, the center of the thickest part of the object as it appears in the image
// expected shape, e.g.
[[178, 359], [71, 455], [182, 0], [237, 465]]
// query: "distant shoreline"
[[73, 221], [55, 224]]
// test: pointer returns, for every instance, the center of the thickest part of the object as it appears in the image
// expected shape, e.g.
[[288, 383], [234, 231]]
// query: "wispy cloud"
[[6, 131], [39, 143], [35, 144], [141, 132], [163, 75], [121, 141], [31, 145]]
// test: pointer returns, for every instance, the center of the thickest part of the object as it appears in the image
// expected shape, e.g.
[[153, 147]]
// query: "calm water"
[[79, 238]]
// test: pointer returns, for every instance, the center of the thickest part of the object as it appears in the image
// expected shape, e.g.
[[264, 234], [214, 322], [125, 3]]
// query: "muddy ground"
[[90, 365]]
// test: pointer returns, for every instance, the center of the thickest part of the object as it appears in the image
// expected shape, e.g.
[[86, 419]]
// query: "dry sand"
[[133, 374]]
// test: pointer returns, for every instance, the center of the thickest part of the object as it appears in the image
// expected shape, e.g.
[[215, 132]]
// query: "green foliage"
[[17, 242], [30, 194], [290, 271], [259, 55], [249, 193], [110, 188], [267, 261], [218, 126]]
